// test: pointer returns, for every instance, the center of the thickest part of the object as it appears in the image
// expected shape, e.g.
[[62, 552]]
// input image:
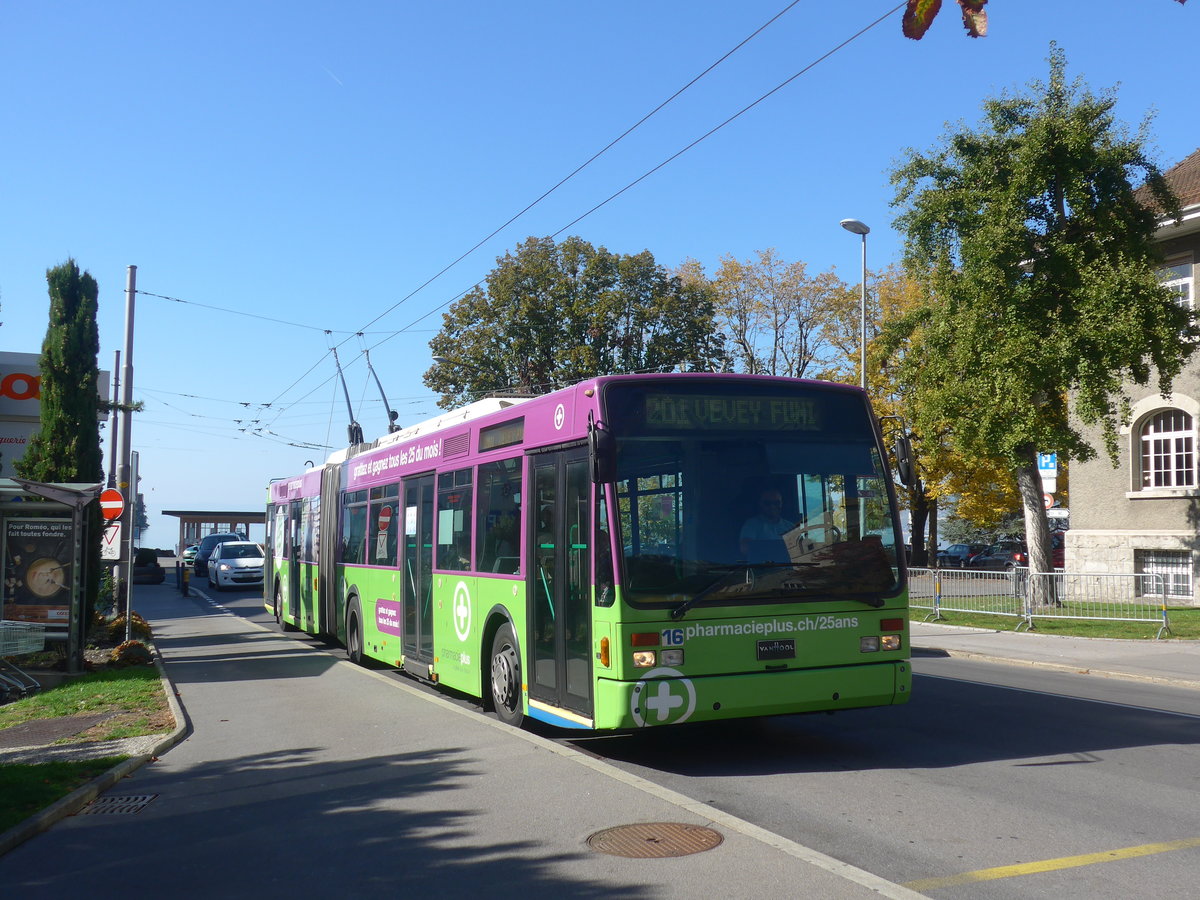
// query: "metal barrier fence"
[[1021, 594], [958, 590], [1099, 597]]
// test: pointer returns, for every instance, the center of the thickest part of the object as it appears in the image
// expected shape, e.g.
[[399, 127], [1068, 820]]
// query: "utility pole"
[[124, 477]]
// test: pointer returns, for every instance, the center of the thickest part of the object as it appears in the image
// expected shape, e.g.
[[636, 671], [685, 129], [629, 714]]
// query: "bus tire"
[[286, 626], [506, 677], [354, 634]]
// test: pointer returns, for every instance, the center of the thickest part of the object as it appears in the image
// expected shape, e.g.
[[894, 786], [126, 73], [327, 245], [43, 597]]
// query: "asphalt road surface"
[[995, 781]]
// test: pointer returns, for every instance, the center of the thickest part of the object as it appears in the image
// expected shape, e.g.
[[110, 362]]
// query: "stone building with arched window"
[[1144, 515]]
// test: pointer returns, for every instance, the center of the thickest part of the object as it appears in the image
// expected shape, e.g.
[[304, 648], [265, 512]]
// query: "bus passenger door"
[[417, 568], [558, 652], [293, 563]]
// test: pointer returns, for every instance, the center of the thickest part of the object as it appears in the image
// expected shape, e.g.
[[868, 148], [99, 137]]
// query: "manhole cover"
[[117, 806], [654, 840]]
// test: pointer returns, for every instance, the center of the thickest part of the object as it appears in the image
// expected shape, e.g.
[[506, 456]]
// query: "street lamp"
[[856, 227]]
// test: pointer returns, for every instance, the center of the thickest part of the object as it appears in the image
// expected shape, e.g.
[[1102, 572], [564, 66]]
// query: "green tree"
[[66, 448], [774, 317], [552, 314], [977, 487], [1041, 265], [140, 520]]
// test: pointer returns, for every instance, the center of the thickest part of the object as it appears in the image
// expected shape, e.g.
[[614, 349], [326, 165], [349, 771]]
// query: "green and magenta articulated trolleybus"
[[632, 551]]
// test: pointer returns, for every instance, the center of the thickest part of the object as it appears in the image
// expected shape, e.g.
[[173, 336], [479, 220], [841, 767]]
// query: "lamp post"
[[856, 227]]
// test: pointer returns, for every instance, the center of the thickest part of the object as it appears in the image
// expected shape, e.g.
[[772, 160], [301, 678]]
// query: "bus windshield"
[[729, 493]]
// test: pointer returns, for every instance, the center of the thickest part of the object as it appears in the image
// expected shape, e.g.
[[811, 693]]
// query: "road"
[[1071, 786]]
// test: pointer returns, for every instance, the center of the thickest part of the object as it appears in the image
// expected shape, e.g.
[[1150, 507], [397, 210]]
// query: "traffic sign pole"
[[128, 560]]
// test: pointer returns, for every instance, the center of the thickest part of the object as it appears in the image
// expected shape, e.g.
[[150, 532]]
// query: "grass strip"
[[27, 789], [136, 689], [1184, 621]]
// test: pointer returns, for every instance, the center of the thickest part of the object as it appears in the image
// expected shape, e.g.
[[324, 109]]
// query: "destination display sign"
[[724, 413]]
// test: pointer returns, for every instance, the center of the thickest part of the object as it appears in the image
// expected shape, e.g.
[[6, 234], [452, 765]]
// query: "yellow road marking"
[[1049, 865]]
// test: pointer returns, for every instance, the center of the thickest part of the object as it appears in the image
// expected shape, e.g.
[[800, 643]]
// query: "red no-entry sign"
[[385, 518], [112, 504]]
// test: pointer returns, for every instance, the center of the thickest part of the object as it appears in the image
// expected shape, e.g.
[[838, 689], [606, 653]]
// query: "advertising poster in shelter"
[[37, 570]]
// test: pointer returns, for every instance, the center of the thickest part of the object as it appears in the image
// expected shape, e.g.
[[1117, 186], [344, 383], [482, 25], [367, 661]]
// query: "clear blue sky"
[[315, 163]]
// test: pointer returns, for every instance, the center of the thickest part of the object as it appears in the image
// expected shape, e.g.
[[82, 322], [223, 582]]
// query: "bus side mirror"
[[602, 449], [904, 463]]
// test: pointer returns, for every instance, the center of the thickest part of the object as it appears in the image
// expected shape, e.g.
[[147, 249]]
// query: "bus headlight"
[[874, 643], [672, 658], [645, 659]]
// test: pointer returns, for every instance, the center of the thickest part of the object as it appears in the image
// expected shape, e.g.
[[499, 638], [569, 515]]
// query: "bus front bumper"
[[667, 697]]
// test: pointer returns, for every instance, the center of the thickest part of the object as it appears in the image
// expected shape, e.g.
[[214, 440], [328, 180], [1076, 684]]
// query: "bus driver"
[[767, 525]]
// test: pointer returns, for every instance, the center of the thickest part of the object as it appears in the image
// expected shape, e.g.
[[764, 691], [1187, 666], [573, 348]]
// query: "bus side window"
[[354, 527], [381, 544], [603, 578], [499, 528], [454, 521]]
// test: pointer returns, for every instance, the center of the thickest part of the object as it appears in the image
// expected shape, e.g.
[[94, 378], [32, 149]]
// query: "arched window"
[[1168, 451]]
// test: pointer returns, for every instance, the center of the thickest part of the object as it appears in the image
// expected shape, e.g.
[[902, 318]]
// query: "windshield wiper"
[[720, 582], [873, 600]]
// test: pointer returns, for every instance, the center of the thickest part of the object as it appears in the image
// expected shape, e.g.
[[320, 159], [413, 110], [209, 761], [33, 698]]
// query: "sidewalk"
[[1171, 662]]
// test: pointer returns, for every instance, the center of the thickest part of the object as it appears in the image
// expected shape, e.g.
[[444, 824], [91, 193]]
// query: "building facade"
[[1143, 515]]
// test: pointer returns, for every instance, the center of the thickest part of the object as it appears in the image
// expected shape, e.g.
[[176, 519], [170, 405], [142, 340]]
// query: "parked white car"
[[236, 564]]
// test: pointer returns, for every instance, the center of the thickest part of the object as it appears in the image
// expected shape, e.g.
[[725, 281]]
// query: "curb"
[[1064, 667], [82, 796]]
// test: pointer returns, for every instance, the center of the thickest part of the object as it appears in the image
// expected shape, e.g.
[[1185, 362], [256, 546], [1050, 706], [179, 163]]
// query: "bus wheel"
[[506, 677], [354, 637], [286, 626]]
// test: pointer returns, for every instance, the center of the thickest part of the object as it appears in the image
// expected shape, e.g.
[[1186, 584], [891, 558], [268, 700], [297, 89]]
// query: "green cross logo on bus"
[[462, 611], [673, 699]]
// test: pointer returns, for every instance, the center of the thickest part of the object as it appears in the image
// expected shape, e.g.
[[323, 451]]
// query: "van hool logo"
[[20, 386]]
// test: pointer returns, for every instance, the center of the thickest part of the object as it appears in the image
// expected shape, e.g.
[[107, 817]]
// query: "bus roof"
[[493, 405], [474, 410]]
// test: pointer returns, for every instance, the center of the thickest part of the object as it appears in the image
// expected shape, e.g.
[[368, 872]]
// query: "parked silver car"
[[200, 560], [235, 564]]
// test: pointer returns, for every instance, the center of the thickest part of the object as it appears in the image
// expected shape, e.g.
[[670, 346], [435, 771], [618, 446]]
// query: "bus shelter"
[[194, 524], [44, 532]]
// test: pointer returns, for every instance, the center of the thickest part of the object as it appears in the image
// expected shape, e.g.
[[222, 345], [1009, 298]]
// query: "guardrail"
[[1099, 597], [1021, 594], [958, 590]]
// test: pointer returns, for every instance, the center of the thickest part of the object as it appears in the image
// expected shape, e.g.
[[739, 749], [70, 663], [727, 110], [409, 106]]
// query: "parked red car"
[[1005, 555], [1000, 556], [958, 555]]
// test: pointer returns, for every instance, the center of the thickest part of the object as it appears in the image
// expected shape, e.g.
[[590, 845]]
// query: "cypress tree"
[[66, 449]]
